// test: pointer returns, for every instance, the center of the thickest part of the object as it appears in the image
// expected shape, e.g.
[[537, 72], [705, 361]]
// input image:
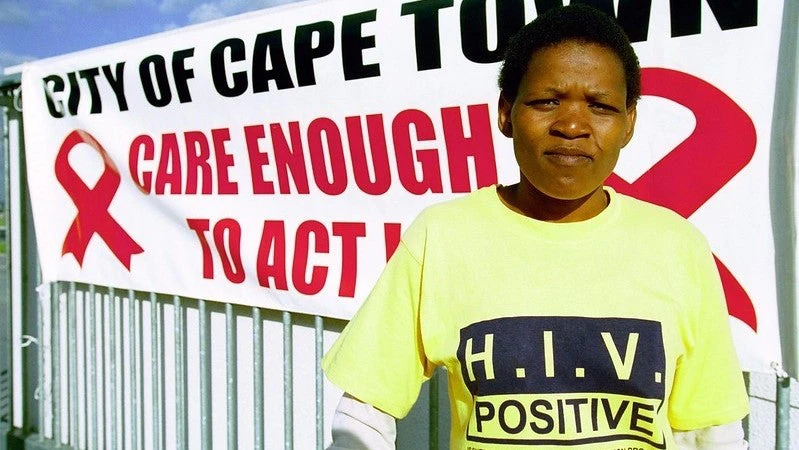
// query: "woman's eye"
[[544, 102], [603, 107]]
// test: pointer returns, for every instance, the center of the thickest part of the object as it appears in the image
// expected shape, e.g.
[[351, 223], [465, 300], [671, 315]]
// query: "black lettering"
[[561, 421], [271, 44], [613, 421], [74, 94], [633, 15], [426, 31], [474, 37], [535, 412], [218, 72], [164, 95], [594, 414], [575, 404], [686, 15], [522, 416], [634, 18], [182, 74], [53, 83], [305, 52], [481, 416], [636, 416], [116, 80], [353, 43], [730, 14], [89, 75]]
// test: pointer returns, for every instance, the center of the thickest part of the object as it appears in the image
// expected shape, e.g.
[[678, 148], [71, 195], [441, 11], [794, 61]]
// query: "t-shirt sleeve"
[[379, 358], [708, 386]]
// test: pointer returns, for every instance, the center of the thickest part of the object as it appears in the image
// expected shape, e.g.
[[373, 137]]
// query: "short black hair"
[[576, 22]]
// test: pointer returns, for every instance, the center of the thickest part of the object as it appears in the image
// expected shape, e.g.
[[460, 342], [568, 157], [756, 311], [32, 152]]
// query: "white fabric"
[[723, 437], [359, 426]]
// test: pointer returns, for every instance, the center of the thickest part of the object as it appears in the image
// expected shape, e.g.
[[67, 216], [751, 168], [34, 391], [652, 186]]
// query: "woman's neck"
[[525, 199]]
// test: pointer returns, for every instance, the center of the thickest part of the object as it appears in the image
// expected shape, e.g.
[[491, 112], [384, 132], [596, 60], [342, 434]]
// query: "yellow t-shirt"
[[605, 333]]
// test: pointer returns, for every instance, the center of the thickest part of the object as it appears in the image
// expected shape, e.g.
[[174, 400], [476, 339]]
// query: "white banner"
[[274, 158]]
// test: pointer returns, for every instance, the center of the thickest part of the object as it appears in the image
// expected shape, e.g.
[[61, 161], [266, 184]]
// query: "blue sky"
[[34, 29]]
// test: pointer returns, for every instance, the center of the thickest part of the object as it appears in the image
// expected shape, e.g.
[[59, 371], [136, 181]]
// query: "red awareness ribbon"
[[92, 204], [722, 144]]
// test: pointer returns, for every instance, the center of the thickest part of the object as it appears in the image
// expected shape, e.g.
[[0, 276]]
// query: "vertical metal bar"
[[112, 367], [92, 376], [84, 399], [55, 361], [102, 375], [433, 418], [232, 378], [7, 382], [320, 392], [288, 388], [180, 374], [44, 392], [6, 308], [72, 355], [133, 370], [140, 369], [206, 429], [258, 375], [783, 422], [39, 331], [24, 274], [119, 324], [156, 374]]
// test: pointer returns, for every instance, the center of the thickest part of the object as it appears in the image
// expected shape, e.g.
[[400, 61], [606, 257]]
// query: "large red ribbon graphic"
[[92, 204], [722, 143]]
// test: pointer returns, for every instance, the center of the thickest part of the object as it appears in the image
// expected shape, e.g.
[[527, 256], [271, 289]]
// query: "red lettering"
[[479, 146], [143, 143], [197, 154], [230, 254], [258, 160], [289, 159], [349, 233], [379, 154], [169, 171], [392, 233], [273, 245], [428, 158], [200, 226], [316, 148], [301, 249], [224, 161]]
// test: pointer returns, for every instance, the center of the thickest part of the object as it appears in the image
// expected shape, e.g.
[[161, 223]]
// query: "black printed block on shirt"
[[564, 380]]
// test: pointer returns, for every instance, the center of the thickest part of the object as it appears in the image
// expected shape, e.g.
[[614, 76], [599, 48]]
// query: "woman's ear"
[[504, 108], [632, 115]]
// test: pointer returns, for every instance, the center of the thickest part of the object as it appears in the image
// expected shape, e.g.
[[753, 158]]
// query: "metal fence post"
[[783, 407], [6, 404], [24, 270]]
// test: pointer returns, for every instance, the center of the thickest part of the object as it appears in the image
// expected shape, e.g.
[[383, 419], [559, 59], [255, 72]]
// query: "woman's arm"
[[359, 426], [722, 437]]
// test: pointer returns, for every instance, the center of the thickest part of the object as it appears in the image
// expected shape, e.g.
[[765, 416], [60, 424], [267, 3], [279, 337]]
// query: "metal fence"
[[93, 367], [134, 352]]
